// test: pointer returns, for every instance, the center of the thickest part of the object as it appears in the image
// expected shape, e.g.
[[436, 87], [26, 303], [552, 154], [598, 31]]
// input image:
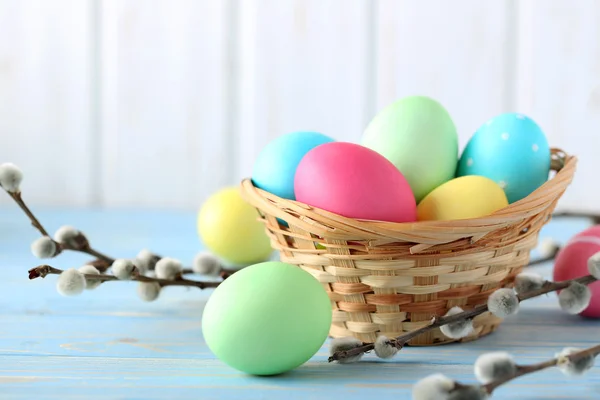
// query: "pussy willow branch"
[[224, 272], [594, 219], [85, 248], [402, 340], [543, 260], [102, 262], [529, 369], [43, 270], [16, 196]]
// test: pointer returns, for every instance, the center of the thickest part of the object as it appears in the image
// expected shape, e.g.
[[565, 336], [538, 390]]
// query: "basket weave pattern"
[[391, 278]]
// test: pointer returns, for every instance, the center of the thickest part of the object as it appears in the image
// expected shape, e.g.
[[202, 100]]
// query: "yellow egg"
[[228, 227], [469, 196]]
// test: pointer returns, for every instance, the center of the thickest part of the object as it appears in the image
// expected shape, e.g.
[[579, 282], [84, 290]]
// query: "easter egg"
[[275, 166], [572, 262], [418, 136], [355, 182], [267, 318], [460, 198], [510, 149], [228, 227]]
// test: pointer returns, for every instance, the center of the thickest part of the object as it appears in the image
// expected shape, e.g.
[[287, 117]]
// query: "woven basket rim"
[[328, 224], [387, 278]]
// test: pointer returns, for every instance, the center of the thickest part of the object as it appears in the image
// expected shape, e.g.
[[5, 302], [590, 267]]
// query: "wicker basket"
[[391, 278]]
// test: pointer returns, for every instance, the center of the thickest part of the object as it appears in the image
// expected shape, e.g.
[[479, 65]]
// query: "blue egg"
[[276, 165], [510, 149]]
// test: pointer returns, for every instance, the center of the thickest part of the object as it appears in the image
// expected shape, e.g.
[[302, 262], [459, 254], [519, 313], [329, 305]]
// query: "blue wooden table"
[[108, 344]]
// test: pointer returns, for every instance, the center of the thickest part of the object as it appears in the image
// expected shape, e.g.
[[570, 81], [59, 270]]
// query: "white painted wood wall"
[[157, 104]]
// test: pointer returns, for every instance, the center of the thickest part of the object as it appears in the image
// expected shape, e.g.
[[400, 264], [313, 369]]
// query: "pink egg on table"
[[571, 263], [355, 182], [593, 232]]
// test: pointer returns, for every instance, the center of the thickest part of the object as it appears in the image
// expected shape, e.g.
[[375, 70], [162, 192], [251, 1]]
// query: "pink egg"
[[594, 231], [355, 182], [571, 263]]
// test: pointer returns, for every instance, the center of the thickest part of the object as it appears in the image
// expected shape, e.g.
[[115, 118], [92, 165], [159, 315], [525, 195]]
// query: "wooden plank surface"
[[46, 68], [107, 344]]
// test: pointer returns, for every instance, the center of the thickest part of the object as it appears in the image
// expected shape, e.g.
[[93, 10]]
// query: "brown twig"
[[478, 391], [94, 253], [529, 369], [83, 246], [550, 257], [402, 340], [225, 273], [543, 260], [101, 265], [34, 221], [43, 270]]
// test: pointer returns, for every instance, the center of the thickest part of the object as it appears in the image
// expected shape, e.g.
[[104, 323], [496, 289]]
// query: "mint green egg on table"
[[267, 318], [418, 136]]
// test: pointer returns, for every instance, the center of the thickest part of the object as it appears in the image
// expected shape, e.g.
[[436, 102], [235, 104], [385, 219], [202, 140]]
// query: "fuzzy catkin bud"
[[575, 298], [548, 247], [384, 349], [10, 177], [70, 282], [70, 236], [148, 291], [206, 264], [345, 344], [594, 265], [503, 303], [168, 268], [43, 247], [527, 282], [123, 269], [90, 283], [494, 366], [458, 329], [146, 261], [433, 387], [574, 368]]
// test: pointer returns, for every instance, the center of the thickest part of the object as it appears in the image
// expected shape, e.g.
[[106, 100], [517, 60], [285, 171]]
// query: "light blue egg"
[[510, 149], [276, 165]]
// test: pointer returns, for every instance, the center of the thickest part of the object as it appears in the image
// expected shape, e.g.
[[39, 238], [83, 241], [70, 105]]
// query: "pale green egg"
[[418, 136], [267, 318]]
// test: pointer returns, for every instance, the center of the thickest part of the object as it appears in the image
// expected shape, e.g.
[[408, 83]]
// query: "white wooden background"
[[125, 103]]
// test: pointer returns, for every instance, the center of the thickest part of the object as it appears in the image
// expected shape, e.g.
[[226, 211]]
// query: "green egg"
[[267, 318], [418, 136]]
